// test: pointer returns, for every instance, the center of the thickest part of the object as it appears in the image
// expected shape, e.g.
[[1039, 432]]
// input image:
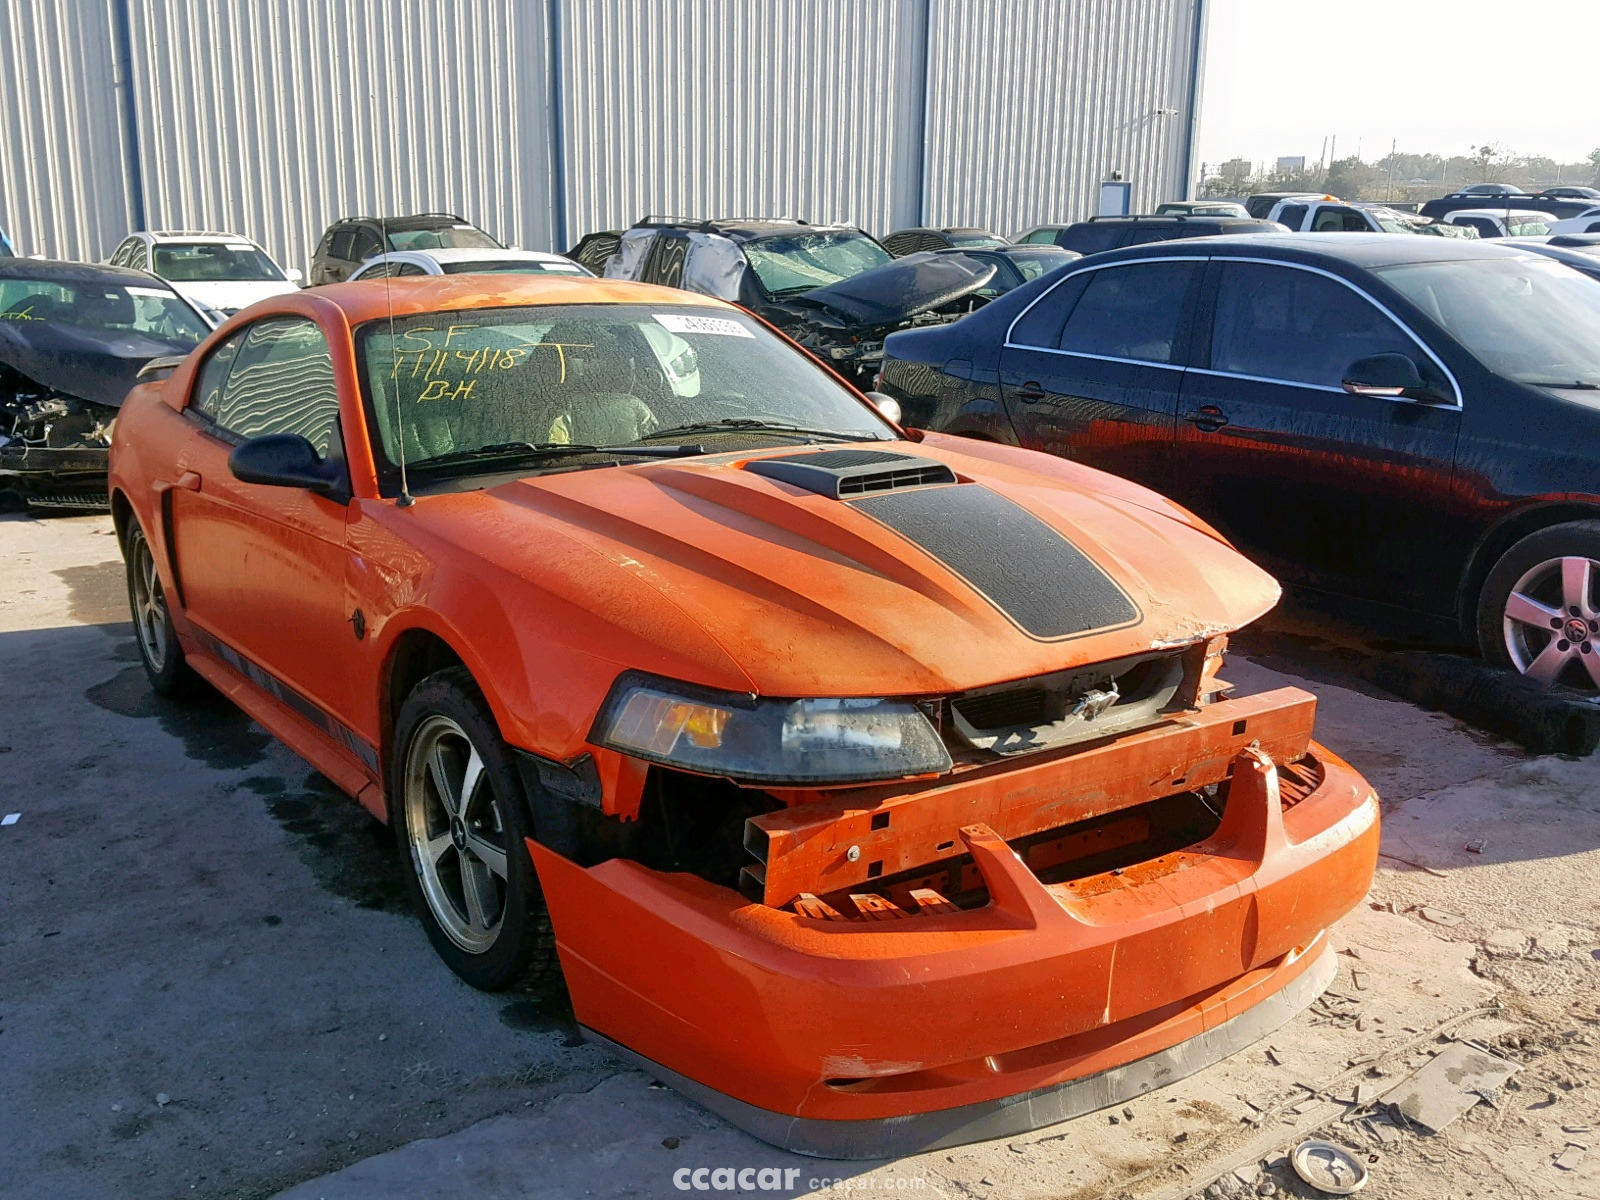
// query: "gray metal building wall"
[[1088, 88], [804, 108], [544, 119], [62, 171]]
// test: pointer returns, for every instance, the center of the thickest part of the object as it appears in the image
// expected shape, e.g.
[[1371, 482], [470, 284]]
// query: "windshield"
[[1034, 263], [1393, 222], [798, 262], [975, 240], [1527, 227], [591, 374], [213, 262], [1528, 319], [512, 266], [102, 307], [449, 238]]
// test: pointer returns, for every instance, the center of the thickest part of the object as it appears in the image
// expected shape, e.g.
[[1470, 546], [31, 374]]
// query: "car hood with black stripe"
[[885, 568]]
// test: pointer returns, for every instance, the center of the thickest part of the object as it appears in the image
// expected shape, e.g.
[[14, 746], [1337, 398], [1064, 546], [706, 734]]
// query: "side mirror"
[[1383, 375], [888, 407], [293, 275], [286, 460]]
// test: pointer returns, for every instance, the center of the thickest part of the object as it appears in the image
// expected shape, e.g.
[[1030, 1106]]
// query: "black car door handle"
[[1208, 418], [1029, 391]]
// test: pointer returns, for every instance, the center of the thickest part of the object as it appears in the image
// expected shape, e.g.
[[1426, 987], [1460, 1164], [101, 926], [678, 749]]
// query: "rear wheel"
[[461, 820], [1540, 608], [163, 659]]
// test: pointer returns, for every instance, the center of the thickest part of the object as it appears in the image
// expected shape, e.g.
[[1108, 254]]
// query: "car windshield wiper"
[[550, 450], [760, 426], [1571, 385]]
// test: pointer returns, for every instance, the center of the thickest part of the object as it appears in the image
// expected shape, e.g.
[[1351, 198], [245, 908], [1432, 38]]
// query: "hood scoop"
[[842, 474]]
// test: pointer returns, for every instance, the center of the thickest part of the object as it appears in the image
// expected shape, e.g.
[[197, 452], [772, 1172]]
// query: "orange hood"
[[807, 594]]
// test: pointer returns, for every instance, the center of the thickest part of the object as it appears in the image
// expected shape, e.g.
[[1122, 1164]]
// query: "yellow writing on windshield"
[[427, 353]]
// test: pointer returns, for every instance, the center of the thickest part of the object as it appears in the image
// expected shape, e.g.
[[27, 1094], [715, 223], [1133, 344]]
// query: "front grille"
[[1077, 705], [996, 710]]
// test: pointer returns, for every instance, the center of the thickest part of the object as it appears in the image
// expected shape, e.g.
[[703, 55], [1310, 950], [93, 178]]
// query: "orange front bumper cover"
[[868, 1039]]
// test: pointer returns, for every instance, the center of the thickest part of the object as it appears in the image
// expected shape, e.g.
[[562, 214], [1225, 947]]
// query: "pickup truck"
[[1304, 214]]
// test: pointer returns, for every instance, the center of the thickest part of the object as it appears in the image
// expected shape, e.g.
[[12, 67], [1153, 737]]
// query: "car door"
[[665, 263], [262, 569], [1346, 492], [1093, 369]]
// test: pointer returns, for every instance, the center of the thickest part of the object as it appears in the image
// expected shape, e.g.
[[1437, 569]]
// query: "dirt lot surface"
[[210, 986]]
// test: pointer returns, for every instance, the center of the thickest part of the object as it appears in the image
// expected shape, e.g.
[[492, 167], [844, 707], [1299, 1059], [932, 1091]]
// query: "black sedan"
[[1411, 422], [73, 338]]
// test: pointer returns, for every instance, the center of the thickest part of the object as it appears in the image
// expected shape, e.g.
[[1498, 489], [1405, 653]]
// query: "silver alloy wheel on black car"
[[457, 834], [148, 602], [1550, 619]]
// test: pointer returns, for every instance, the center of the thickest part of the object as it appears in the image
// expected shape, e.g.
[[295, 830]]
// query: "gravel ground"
[[209, 985]]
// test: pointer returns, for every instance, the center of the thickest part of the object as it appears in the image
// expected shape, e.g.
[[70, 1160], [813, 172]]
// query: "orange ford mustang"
[[877, 789]]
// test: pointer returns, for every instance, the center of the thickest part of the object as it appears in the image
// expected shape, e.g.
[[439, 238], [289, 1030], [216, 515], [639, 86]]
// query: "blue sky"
[[1436, 77]]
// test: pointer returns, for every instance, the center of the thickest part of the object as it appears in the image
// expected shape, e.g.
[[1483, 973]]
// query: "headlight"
[[774, 741]]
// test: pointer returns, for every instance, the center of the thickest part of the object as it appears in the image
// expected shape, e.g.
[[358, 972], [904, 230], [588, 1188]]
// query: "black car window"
[[1091, 237], [1146, 234], [1131, 311], [1041, 325], [1293, 215], [339, 246], [1485, 227], [406, 268], [1297, 326], [365, 244], [280, 380], [206, 398]]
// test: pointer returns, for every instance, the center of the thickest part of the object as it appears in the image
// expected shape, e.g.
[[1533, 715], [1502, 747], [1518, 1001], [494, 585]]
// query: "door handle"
[[189, 481], [1029, 391], [1208, 418]]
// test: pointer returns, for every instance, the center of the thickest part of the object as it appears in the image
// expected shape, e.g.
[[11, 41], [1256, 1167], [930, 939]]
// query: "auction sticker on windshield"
[[677, 323]]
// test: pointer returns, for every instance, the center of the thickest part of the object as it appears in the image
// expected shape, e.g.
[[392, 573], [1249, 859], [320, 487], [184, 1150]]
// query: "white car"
[[469, 260], [1502, 222], [220, 271], [1588, 221]]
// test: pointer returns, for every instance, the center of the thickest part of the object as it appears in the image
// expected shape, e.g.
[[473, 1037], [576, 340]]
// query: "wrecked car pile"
[[832, 288], [73, 339]]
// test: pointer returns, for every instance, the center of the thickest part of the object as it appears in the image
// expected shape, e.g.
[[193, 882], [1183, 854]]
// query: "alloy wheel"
[[457, 834], [149, 602], [1551, 621]]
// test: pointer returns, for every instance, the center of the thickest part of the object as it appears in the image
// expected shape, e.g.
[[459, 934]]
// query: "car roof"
[[452, 254], [407, 224], [1363, 250], [51, 270], [191, 235], [409, 295], [1536, 214], [739, 229]]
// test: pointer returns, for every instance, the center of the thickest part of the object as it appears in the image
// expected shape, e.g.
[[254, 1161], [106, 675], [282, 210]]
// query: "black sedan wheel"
[[461, 820], [1540, 609]]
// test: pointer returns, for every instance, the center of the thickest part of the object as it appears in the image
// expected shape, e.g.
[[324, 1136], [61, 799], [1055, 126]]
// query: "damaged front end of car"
[[53, 446], [845, 323], [57, 413], [1033, 900]]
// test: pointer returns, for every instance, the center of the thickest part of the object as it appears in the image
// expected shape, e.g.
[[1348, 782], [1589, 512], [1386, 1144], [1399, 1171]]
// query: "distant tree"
[[1491, 163], [1352, 179], [1594, 161]]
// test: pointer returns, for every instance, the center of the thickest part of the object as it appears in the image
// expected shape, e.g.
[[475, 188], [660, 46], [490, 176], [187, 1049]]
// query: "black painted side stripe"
[[288, 696], [1022, 566]]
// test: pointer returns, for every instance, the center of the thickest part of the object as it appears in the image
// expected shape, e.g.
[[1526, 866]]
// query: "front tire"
[[1539, 612], [163, 658], [460, 817]]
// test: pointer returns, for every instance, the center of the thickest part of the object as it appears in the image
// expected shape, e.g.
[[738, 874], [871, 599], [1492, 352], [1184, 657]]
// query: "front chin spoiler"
[[894, 1137]]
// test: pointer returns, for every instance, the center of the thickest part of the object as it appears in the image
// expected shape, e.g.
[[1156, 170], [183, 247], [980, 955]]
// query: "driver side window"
[[1295, 326], [274, 377]]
